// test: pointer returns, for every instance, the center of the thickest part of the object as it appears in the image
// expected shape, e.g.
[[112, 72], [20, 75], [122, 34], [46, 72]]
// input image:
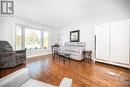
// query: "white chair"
[[21, 78]]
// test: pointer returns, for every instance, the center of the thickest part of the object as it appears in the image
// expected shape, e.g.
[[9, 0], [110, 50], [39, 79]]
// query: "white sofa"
[[73, 48], [21, 78]]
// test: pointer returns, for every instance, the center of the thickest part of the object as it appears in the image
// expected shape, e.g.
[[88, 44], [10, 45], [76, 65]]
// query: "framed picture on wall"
[[74, 36]]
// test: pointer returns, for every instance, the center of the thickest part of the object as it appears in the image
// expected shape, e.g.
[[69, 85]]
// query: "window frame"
[[22, 36]]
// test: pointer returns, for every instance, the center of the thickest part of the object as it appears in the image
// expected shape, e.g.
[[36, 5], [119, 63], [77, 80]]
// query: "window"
[[31, 38], [18, 37], [45, 39]]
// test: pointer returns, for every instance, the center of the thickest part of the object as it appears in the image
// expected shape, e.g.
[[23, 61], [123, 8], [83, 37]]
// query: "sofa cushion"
[[35, 83]]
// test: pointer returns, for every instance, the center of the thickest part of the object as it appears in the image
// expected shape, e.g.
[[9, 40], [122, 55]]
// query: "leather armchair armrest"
[[20, 51]]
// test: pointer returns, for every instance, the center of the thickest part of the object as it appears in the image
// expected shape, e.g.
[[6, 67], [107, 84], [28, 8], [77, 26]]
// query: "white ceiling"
[[59, 13]]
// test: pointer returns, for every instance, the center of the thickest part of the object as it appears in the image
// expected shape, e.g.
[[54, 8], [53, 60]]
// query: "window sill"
[[37, 49]]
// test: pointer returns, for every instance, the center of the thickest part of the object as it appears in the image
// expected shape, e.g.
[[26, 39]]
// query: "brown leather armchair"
[[10, 58]]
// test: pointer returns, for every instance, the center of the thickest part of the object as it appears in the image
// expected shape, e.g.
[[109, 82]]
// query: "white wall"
[[7, 29], [7, 32], [55, 35], [129, 8], [86, 34]]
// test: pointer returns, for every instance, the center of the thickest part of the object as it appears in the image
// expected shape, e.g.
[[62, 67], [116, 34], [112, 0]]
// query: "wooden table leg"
[[63, 60], [59, 57], [53, 56]]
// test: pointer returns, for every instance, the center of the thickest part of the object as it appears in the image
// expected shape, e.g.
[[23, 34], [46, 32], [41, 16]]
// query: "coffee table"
[[64, 56]]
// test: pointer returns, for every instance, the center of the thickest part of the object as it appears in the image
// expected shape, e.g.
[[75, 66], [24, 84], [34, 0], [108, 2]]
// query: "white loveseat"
[[21, 78], [73, 48]]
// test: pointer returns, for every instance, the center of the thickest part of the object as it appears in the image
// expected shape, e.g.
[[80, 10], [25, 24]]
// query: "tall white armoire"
[[113, 43]]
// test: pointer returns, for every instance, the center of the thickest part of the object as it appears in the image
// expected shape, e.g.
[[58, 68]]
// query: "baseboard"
[[38, 55], [115, 64]]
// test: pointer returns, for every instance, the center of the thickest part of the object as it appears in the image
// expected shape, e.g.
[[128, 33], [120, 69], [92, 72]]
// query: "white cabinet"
[[120, 42], [102, 41], [112, 43]]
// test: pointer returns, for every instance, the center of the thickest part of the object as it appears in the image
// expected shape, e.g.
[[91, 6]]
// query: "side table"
[[87, 54]]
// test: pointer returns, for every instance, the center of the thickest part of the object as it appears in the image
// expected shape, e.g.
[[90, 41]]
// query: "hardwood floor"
[[84, 73]]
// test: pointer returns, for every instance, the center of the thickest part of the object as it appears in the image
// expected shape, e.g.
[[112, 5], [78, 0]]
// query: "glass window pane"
[[45, 39], [32, 38], [18, 37]]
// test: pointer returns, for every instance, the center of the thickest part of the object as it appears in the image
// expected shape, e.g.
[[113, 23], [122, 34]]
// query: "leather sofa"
[[75, 49], [10, 58], [21, 78]]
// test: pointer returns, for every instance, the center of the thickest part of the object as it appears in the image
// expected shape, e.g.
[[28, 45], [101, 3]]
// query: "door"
[[102, 41], [120, 42]]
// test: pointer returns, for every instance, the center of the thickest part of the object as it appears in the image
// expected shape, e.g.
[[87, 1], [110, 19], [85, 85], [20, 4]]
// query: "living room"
[[65, 43]]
